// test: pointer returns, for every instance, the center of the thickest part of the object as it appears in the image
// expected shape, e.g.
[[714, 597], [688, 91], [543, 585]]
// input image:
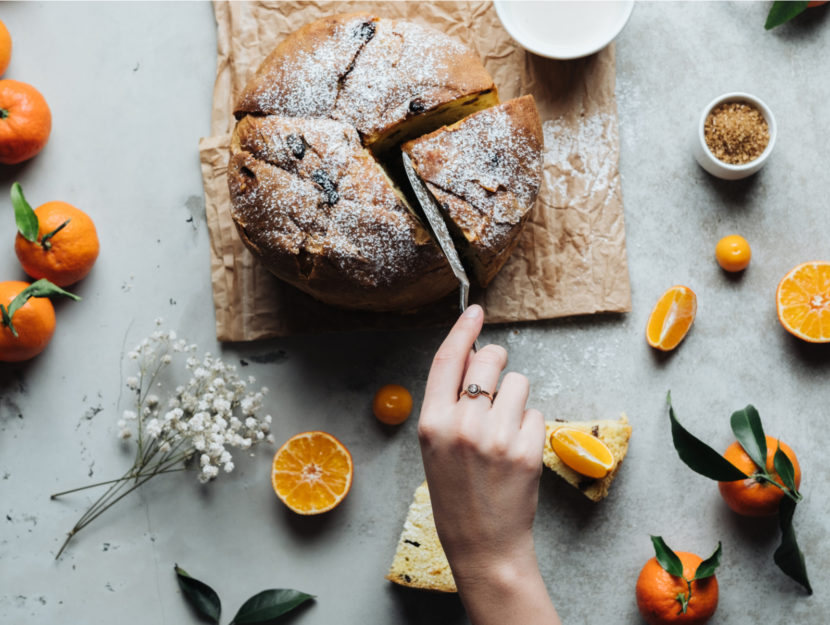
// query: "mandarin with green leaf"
[[755, 496], [33, 324], [56, 241], [659, 593]]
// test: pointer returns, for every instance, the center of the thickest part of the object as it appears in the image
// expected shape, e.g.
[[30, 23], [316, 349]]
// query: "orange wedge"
[[312, 472], [803, 300], [582, 452], [671, 318]]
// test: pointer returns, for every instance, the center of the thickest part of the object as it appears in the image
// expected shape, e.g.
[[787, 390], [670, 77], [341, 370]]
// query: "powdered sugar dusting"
[[396, 74], [492, 161], [578, 164], [329, 199], [306, 83]]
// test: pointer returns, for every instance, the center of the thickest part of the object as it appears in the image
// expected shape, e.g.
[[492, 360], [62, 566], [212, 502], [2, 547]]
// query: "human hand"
[[482, 461]]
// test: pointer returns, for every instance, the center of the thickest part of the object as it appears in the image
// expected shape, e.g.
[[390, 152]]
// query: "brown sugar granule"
[[736, 132]]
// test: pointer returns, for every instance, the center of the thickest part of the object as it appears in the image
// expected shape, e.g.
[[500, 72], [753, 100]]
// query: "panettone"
[[315, 177], [484, 171]]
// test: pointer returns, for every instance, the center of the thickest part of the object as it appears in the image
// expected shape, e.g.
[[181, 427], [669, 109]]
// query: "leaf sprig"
[[671, 563], [702, 459], [41, 288], [263, 607], [27, 222]]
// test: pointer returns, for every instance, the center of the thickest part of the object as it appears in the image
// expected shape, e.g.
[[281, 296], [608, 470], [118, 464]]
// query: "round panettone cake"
[[315, 173]]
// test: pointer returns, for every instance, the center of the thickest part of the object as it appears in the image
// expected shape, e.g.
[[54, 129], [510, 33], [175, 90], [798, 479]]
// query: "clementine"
[[753, 497], [659, 593], [392, 404], [27, 331], [66, 245], [803, 301], [733, 253], [312, 472], [25, 121], [5, 48]]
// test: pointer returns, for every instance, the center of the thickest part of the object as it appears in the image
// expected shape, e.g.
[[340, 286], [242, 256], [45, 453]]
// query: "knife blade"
[[442, 234]]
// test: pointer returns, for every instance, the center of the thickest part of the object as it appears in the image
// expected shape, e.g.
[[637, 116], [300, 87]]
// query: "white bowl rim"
[[738, 96], [499, 4]]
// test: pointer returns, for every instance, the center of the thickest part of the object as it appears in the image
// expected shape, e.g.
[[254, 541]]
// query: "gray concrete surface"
[[130, 88]]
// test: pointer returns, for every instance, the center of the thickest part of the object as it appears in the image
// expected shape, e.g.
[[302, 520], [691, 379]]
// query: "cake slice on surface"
[[419, 559], [484, 172], [615, 435]]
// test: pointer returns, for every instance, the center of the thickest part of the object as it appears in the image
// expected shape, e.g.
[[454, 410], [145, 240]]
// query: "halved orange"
[[312, 472], [582, 452], [803, 301], [671, 318]]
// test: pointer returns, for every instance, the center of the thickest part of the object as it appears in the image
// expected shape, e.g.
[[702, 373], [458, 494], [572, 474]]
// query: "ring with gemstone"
[[474, 390]]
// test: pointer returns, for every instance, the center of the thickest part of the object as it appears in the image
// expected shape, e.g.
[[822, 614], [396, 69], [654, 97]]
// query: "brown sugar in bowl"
[[734, 136]]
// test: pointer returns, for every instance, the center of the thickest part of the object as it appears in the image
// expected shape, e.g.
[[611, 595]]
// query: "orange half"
[[582, 452], [671, 318], [803, 301], [312, 472]]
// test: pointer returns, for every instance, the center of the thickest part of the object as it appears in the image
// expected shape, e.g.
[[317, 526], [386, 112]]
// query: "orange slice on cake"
[[671, 318], [803, 301], [582, 452], [312, 472]]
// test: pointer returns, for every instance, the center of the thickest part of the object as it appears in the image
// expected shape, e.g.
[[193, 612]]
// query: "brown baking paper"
[[571, 257]]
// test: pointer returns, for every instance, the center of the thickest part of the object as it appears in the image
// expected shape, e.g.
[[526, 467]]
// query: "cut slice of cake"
[[615, 435], [484, 172], [419, 559]]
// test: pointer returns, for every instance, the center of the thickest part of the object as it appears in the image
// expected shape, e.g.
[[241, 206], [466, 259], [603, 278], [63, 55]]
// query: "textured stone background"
[[130, 87]]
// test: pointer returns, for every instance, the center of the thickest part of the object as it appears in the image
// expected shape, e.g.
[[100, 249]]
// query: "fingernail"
[[473, 311]]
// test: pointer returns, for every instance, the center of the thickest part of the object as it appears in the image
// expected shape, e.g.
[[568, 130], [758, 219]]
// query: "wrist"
[[502, 566]]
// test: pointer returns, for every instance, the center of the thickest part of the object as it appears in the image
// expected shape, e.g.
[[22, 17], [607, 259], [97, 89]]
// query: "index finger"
[[450, 360]]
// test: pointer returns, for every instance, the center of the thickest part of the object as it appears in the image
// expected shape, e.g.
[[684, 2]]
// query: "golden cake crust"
[[315, 207], [485, 172]]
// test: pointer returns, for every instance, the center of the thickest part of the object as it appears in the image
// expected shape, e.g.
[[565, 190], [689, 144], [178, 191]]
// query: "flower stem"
[[120, 479]]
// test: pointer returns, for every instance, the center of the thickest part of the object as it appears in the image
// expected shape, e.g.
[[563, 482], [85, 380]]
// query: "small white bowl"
[[717, 167], [566, 29]]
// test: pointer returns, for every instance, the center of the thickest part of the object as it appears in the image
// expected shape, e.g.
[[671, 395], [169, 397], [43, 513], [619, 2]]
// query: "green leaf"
[[708, 567], [199, 595], [666, 557], [746, 425], [699, 457], [788, 556], [782, 12], [27, 223], [785, 470], [269, 604], [41, 288]]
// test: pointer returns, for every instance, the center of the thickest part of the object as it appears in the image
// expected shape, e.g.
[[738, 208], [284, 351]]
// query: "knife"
[[439, 229]]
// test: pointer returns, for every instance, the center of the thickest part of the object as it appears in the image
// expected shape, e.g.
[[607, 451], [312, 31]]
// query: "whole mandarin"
[[66, 257], [657, 593], [733, 253], [25, 121], [392, 404], [749, 497], [34, 323]]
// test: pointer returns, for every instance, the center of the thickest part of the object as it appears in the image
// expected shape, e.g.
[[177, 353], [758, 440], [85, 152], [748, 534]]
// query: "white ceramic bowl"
[[566, 29], [718, 168]]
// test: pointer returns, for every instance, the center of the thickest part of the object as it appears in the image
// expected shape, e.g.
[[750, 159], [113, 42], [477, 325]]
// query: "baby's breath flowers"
[[203, 419]]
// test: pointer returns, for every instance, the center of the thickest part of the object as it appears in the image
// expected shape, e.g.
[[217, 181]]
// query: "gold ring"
[[474, 390]]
